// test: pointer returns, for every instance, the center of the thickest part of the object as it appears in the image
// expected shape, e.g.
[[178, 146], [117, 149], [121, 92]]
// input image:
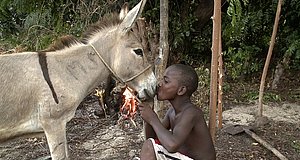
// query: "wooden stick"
[[265, 144], [264, 74], [137, 99]]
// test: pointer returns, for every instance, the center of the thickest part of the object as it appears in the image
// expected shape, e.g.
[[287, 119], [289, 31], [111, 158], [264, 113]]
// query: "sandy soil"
[[94, 137], [91, 137]]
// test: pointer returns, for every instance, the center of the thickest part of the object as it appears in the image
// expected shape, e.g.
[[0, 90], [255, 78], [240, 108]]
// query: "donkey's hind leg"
[[56, 137]]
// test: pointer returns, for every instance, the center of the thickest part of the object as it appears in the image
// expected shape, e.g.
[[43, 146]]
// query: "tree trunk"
[[220, 81], [263, 78], [163, 54]]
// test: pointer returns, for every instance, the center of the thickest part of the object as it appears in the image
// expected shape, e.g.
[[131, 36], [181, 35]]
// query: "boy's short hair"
[[189, 77]]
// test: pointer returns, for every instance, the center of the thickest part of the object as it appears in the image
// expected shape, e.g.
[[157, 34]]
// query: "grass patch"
[[267, 97], [296, 145]]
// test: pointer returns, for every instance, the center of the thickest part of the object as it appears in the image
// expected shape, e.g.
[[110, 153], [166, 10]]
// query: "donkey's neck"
[[79, 67]]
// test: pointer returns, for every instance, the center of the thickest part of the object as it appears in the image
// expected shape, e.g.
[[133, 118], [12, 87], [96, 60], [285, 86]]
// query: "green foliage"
[[35, 24], [241, 56], [290, 45], [181, 30], [186, 43], [247, 30], [251, 96], [240, 61], [201, 97], [203, 75], [296, 145], [289, 32], [267, 97]]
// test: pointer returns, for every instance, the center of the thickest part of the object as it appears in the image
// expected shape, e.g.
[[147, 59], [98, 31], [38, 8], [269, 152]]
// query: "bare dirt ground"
[[93, 137]]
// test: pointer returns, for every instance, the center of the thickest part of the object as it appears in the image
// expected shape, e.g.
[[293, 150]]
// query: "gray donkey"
[[40, 91]]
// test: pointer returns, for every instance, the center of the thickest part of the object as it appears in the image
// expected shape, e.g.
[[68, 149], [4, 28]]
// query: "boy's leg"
[[147, 152]]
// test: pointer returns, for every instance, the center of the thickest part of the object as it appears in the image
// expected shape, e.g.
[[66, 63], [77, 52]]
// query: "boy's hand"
[[147, 113]]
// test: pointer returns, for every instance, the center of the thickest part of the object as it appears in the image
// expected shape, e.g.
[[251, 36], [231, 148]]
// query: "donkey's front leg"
[[56, 137]]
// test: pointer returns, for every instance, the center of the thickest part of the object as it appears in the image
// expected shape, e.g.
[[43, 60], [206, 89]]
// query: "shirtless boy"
[[183, 133]]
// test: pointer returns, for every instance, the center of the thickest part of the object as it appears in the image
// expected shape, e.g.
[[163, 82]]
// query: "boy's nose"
[[159, 84]]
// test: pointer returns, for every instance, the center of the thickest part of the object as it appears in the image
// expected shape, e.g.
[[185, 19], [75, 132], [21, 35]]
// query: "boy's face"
[[168, 86]]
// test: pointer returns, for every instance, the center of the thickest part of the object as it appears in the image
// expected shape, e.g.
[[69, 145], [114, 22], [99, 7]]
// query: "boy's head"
[[188, 77]]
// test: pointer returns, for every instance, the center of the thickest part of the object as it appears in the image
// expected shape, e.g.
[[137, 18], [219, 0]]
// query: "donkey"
[[40, 91]]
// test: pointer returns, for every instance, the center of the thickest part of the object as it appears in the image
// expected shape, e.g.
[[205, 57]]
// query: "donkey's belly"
[[27, 128]]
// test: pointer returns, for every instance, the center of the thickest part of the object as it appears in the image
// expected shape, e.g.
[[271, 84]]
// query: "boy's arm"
[[148, 130], [173, 140]]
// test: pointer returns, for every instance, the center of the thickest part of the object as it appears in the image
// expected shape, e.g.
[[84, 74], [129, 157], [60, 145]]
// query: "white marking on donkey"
[[40, 91]]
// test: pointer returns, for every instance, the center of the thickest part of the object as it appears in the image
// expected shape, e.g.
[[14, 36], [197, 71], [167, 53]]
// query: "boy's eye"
[[165, 80]]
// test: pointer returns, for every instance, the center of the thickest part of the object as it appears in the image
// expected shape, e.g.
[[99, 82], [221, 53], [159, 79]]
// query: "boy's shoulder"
[[195, 110], [191, 110]]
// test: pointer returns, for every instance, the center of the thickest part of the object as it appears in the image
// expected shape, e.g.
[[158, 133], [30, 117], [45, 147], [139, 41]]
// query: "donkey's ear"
[[124, 11], [131, 17]]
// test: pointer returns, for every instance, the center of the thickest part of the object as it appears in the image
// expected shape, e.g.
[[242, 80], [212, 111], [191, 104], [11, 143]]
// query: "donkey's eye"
[[138, 52]]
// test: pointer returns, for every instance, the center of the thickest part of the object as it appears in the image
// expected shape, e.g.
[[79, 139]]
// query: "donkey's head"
[[124, 54]]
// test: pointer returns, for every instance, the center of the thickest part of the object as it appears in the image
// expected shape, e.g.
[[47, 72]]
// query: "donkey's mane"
[[106, 21], [63, 42]]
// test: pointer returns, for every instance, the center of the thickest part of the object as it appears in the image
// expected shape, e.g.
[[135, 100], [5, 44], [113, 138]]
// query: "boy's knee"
[[147, 152], [148, 144]]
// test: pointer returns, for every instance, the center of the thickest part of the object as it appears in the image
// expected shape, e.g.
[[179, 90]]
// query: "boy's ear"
[[182, 90]]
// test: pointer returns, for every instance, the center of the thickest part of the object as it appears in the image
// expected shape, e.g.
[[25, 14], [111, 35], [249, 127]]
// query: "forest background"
[[30, 25]]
